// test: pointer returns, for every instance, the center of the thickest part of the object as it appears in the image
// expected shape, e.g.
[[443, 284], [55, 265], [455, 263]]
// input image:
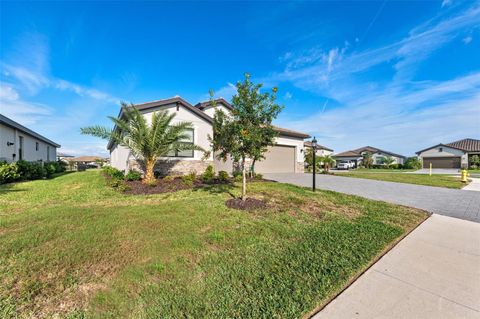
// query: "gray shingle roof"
[[11, 123], [467, 144]]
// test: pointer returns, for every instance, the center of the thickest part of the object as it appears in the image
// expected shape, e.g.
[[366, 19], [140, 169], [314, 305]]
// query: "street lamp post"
[[314, 152]]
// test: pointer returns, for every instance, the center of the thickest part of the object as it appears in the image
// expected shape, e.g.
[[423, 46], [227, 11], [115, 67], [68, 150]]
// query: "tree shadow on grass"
[[8, 188], [218, 188]]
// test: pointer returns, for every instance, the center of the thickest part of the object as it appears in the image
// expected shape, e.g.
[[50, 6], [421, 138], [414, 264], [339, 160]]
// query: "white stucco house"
[[456, 154], [20, 143], [378, 156], [321, 150], [286, 156]]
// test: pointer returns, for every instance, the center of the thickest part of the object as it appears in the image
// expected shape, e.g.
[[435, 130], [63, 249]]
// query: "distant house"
[[63, 156], [20, 143], [456, 154], [321, 150], [87, 160], [378, 156]]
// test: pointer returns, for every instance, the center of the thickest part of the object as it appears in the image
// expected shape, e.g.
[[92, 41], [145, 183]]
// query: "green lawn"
[[383, 170], [419, 179], [71, 247]]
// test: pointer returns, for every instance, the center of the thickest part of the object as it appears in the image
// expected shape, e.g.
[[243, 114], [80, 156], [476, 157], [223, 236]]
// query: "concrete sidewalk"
[[433, 273]]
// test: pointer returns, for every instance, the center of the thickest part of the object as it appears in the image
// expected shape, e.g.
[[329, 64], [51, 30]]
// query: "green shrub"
[[118, 184], [235, 174], [193, 175], [412, 163], [238, 178], [8, 173], [258, 176], [223, 176], [133, 176], [31, 170], [169, 178], [209, 174], [188, 179], [50, 169], [113, 172]]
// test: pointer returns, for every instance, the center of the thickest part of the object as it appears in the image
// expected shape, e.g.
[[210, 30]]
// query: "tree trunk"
[[244, 179], [149, 175]]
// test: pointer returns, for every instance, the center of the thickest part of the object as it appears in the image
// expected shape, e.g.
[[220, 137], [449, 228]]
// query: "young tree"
[[248, 131], [309, 158], [146, 142]]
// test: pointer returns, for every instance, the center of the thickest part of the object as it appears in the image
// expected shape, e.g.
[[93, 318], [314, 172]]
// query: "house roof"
[[321, 147], [203, 105], [11, 123], [358, 152], [348, 154], [59, 154], [466, 145], [198, 110], [86, 159]]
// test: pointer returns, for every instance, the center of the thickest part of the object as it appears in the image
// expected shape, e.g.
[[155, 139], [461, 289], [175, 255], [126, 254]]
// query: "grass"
[[437, 180], [71, 247], [383, 170]]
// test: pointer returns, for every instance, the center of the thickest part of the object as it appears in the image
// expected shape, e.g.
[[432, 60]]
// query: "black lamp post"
[[314, 152]]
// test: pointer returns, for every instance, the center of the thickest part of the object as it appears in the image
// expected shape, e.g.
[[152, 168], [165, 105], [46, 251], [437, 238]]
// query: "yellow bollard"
[[464, 174], [430, 169]]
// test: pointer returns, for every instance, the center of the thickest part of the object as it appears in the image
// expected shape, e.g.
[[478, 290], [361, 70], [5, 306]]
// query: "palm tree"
[[146, 142], [367, 159], [328, 162], [387, 161]]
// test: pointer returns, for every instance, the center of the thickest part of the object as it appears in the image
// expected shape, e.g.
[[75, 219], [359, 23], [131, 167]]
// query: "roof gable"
[[466, 145], [11, 123]]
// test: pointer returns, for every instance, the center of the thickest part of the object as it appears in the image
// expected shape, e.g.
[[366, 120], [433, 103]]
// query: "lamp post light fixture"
[[314, 153]]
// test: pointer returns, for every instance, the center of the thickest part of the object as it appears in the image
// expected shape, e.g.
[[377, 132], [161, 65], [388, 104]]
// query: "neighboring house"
[[321, 150], [87, 160], [451, 155], [378, 156], [20, 143], [63, 157], [285, 156]]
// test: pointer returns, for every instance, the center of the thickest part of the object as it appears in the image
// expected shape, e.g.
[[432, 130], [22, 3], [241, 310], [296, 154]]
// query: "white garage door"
[[278, 159]]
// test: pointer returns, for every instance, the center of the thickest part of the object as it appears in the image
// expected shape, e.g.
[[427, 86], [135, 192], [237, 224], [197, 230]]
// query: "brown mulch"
[[162, 186], [247, 204]]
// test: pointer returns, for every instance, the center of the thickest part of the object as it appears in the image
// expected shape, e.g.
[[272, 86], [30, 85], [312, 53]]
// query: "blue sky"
[[398, 75]]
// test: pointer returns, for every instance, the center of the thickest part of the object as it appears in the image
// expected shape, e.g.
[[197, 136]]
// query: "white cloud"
[[446, 3], [467, 39], [288, 95]]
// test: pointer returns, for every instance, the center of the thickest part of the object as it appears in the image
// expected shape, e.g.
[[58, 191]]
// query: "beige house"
[[285, 156], [378, 156], [20, 143], [456, 154]]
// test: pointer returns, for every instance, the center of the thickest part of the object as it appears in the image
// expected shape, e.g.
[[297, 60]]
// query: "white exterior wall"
[[210, 111], [322, 152], [397, 160], [446, 152], [46, 152], [120, 156]]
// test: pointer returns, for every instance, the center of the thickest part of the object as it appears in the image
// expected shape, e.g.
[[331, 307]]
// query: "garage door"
[[278, 159], [441, 162]]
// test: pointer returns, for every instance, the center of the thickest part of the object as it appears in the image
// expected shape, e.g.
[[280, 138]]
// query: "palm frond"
[[97, 131]]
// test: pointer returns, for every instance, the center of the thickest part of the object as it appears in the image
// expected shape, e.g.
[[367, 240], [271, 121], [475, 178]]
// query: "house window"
[[440, 149], [20, 148], [186, 153], [48, 153], [36, 146]]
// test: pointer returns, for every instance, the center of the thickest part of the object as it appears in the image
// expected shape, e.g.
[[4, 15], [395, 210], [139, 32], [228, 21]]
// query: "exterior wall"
[[46, 152], [322, 152], [121, 158], [210, 111], [176, 167], [446, 152], [378, 157]]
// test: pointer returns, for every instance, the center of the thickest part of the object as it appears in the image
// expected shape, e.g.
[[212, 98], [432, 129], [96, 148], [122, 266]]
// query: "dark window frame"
[[192, 155], [20, 147], [37, 146]]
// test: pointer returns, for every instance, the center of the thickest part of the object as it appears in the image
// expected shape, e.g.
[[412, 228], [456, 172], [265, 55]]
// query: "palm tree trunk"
[[149, 175], [244, 179]]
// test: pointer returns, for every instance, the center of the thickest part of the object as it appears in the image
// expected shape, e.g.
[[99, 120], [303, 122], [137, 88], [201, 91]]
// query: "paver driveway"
[[450, 202]]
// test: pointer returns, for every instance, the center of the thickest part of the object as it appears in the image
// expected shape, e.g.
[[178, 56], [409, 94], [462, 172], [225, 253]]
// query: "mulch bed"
[[162, 186], [248, 204]]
